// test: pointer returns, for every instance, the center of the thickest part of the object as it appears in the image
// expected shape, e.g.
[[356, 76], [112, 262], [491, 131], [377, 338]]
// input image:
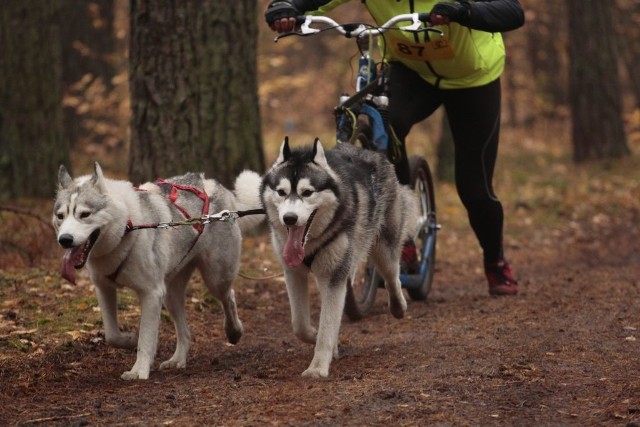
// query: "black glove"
[[279, 9], [459, 12]]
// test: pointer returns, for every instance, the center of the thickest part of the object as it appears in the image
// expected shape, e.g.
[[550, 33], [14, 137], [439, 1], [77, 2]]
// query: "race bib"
[[428, 50]]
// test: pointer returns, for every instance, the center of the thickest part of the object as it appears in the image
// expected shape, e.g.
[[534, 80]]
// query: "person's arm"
[[486, 15]]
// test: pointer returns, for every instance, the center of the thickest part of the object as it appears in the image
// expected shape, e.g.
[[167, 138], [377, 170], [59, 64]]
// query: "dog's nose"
[[290, 218], [66, 240]]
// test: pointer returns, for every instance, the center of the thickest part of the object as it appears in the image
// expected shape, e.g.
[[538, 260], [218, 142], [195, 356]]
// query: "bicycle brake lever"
[[283, 35], [291, 33], [304, 30], [305, 27], [416, 24], [434, 30]]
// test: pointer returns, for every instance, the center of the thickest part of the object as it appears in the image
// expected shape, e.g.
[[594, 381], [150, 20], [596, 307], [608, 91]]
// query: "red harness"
[[173, 197]]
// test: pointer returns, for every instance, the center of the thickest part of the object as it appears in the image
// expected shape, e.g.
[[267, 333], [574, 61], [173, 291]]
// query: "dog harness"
[[197, 223], [173, 197]]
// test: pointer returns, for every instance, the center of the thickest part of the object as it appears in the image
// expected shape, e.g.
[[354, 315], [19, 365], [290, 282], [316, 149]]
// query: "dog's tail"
[[247, 192]]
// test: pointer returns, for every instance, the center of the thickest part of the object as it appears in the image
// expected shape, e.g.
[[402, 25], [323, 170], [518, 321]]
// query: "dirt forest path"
[[565, 351]]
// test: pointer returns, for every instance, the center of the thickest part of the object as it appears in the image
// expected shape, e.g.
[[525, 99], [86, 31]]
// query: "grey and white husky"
[[328, 211], [93, 216]]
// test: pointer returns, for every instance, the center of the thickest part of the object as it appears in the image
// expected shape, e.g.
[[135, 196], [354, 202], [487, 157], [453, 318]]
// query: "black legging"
[[474, 117]]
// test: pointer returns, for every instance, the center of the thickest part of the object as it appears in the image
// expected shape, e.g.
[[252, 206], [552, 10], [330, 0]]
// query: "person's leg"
[[411, 100], [474, 117]]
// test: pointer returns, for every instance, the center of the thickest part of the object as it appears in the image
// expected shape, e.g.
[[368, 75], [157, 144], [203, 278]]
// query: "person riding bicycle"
[[460, 70]]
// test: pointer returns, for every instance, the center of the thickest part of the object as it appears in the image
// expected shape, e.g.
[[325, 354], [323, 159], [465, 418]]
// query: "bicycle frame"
[[368, 94]]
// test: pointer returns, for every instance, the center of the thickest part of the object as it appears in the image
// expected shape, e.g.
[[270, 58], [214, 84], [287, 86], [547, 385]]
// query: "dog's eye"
[[84, 215], [60, 216], [306, 193], [282, 193]]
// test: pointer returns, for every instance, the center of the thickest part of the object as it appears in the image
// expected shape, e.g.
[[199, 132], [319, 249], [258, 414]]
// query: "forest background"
[[565, 352]]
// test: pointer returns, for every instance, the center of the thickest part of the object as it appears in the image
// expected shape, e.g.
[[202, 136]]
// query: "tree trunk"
[[595, 95], [194, 89], [32, 142]]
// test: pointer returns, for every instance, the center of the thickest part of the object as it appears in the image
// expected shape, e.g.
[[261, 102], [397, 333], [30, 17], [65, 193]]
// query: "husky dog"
[[94, 218], [329, 211]]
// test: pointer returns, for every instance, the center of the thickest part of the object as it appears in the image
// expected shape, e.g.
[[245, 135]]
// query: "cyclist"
[[460, 71]]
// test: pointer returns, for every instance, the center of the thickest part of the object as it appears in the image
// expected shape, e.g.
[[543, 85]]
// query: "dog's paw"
[[398, 308], [316, 373], [173, 363], [234, 333], [134, 375]]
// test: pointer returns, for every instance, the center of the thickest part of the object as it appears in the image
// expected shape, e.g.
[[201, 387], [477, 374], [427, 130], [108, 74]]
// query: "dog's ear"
[[318, 154], [285, 151], [97, 178], [64, 179]]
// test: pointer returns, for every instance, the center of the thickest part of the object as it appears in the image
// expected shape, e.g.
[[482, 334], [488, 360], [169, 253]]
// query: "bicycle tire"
[[362, 287], [422, 183]]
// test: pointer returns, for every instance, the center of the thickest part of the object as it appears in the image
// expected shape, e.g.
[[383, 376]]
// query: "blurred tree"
[[89, 40], [88, 53], [594, 89], [32, 141], [194, 89], [516, 80], [627, 17], [546, 39]]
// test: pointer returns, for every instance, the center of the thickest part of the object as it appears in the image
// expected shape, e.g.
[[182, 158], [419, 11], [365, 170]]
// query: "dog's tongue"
[[293, 252], [69, 262]]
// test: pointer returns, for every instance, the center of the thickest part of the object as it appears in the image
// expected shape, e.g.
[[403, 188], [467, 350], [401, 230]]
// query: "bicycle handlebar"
[[418, 21]]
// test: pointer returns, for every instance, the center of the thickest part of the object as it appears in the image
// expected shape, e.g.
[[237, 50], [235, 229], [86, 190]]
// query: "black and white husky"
[[94, 216], [329, 211]]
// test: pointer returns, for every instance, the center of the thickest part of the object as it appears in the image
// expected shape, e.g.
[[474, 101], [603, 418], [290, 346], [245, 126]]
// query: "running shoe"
[[500, 278], [409, 258]]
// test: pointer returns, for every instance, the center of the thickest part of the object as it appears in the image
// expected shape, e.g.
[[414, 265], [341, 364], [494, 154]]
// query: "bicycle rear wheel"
[[422, 183], [361, 289]]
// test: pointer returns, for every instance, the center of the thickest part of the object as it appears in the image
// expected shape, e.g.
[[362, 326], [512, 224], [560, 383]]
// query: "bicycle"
[[362, 119]]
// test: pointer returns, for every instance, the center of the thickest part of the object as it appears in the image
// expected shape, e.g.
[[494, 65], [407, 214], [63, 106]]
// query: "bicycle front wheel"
[[361, 288], [422, 183]]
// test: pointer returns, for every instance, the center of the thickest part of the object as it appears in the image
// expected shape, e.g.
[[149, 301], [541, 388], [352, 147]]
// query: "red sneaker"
[[409, 258], [500, 278]]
